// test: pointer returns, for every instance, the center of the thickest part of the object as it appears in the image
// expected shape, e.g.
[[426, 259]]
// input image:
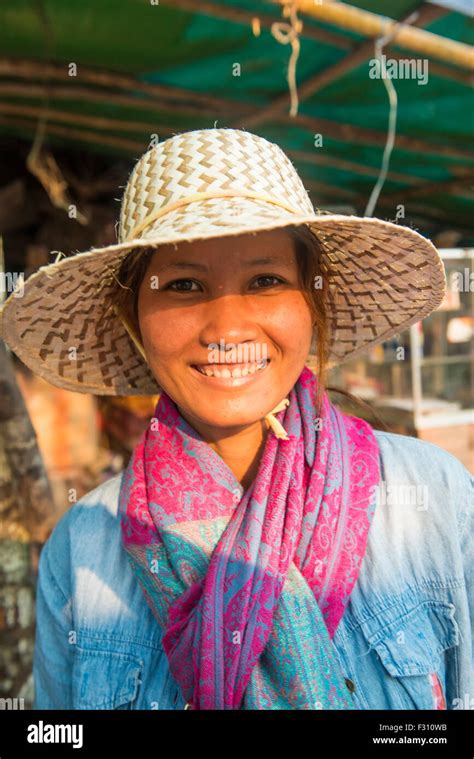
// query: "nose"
[[229, 318]]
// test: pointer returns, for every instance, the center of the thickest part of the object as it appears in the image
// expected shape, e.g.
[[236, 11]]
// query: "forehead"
[[270, 247]]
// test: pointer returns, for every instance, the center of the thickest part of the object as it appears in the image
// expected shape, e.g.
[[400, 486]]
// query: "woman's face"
[[204, 302]]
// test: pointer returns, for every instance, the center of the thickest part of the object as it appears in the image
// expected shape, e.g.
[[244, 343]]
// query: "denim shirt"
[[404, 641]]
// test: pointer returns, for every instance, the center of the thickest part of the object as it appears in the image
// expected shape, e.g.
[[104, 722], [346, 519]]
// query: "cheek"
[[165, 332], [291, 323]]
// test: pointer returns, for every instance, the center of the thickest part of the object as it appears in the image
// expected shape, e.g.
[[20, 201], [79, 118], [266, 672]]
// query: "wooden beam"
[[430, 212], [352, 133], [458, 75], [98, 122], [333, 162], [326, 190], [94, 95], [34, 70], [130, 147], [90, 187], [452, 186], [392, 198], [413, 210]]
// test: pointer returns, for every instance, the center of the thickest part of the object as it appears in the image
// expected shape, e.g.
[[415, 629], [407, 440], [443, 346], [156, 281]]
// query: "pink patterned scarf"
[[249, 587]]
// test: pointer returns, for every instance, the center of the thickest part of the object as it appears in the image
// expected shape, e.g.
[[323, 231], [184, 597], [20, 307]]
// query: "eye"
[[177, 282], [185, 285], [267, 277]]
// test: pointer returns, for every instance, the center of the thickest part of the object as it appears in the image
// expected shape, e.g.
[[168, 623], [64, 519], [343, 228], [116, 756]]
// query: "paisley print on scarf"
[[249, 587]]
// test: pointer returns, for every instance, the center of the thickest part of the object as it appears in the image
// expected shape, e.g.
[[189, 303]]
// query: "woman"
[[259, 551]]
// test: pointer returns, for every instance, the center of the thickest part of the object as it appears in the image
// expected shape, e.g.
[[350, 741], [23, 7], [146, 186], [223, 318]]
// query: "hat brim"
[[64, 328]]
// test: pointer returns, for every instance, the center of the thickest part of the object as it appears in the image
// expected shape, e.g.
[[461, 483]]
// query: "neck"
[[240, 448]]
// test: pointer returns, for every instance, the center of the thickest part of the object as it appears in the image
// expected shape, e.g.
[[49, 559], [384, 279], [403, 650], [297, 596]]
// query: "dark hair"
[[309, 257]]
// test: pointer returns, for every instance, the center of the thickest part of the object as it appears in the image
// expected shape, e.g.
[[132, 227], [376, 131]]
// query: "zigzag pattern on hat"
[[206, 160]]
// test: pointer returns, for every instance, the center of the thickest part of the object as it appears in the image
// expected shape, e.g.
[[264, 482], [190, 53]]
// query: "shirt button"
[[350, 685]]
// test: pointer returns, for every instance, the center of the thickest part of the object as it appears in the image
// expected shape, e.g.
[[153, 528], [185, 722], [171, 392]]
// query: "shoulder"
[[407, 451], [88, 527], [437, 478], [97, 506], [420, 533]]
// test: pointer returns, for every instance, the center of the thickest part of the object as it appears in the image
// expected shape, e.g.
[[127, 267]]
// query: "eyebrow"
[[201, 267]]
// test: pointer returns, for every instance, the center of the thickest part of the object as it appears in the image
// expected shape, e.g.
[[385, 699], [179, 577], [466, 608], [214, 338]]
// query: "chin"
[[224, 420]]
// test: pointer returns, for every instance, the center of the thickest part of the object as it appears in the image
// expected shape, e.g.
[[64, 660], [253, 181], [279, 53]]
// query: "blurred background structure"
[[86, 88]]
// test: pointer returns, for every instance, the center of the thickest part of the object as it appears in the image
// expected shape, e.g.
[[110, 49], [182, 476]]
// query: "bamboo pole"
[[373, 25], [244, 17]]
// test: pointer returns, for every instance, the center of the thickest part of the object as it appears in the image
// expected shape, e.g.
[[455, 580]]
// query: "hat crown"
[[207, 161]]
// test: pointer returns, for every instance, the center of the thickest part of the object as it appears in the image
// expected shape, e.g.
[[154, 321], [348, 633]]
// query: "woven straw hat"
[[202, 184]]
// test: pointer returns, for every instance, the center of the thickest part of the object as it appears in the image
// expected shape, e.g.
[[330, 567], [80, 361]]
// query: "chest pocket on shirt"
[[105, 679], [413, 650]]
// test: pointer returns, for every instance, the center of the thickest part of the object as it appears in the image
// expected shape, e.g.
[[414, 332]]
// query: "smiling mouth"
[[231, 374], [226, 371]]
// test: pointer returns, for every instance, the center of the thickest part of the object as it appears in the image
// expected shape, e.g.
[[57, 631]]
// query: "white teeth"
[[212, 371]]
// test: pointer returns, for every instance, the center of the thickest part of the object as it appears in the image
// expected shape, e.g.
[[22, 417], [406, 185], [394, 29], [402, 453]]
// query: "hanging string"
[[287, 33], [40, 161], [380, 43]]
